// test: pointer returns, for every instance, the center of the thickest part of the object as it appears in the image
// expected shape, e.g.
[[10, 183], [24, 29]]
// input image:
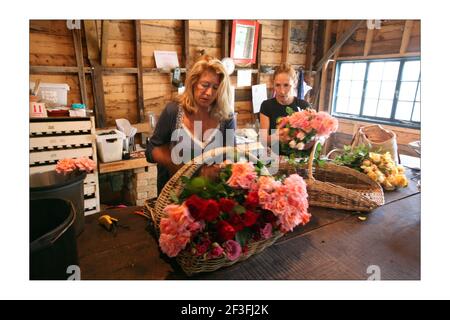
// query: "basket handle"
[[311, 160]]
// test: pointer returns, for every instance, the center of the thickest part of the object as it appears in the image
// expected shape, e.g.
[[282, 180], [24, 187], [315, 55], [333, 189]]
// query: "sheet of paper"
[[244, 78], [166, 59], [259, 94]]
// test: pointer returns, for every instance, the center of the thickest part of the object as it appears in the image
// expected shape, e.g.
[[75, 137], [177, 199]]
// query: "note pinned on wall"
[[166, 59], [244, 78], [259, 94]]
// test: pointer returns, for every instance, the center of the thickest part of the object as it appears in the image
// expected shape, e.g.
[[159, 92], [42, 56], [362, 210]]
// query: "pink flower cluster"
[[68, 165], [242, 175], [287, 200], [308, 124], [177, 229]]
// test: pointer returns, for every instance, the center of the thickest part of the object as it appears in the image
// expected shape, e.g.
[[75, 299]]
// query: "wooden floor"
[[334, 245]]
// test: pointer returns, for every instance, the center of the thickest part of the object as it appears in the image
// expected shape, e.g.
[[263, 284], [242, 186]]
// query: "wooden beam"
[[368, 42], [406, 35], [286, 40], [186, 43], [225, 38], [56, 69], [90, 32], [311, 47], [258, 56], [381, 56], [357, 24], [140, 82], [333, 69], [76, 33], [324, 77], [105, 38], [97, 72]]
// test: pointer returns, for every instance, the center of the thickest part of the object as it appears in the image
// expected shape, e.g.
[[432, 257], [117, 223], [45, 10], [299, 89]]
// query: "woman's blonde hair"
[[286, 68], [221, 107]]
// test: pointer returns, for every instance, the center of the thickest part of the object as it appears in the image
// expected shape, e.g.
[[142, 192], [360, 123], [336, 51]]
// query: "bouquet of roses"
[[69, 165], [220, 219], [299, 130]]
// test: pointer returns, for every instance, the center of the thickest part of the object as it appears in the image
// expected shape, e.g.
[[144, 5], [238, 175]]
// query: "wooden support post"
[[333, 68], [406, 36], [105, 38], [186, 43], [76, 33], [225, 38], [258, 55], [140, 81], [368, 42], [97, 73], [311, 48], [286, 41], [324, 77]]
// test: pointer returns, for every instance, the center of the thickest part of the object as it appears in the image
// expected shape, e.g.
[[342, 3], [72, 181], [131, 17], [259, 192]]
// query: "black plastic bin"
[[53, 246], [51, 185]]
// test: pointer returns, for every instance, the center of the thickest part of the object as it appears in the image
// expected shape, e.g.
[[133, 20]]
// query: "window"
[[384, 91]]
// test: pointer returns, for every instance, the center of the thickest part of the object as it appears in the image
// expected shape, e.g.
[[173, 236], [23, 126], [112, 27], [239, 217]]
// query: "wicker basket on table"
[[337, 187], [189, 263]]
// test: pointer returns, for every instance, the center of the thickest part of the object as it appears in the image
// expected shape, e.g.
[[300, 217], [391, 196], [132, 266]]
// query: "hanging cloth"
[[301, 88]]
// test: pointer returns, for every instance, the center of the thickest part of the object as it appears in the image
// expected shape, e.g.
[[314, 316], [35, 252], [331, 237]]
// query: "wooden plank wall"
[[51, 44], [384, 42]]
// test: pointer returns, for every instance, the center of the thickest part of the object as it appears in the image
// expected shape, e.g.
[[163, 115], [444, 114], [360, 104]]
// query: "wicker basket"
[[337, 187], [155, 207]]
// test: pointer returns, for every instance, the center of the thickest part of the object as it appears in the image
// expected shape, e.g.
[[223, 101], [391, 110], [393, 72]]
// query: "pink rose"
[[232, 249], [266, 231]]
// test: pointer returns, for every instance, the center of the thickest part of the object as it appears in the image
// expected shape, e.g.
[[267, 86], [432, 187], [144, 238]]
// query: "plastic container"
[[53, 246], [54, 94], [52, 185], [109, 145]]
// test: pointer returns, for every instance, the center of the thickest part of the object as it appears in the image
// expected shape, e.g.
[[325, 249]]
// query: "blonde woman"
[[198, 115], [284, 85]]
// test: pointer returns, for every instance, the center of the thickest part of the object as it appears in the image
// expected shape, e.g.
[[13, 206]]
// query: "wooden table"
[[335, 244]]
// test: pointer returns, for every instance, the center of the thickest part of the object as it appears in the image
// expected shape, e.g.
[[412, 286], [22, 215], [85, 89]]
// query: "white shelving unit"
[[52, 139]]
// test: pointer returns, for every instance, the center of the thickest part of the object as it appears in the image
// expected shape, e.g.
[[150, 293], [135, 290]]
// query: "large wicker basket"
[[155, 207], [337, 187]]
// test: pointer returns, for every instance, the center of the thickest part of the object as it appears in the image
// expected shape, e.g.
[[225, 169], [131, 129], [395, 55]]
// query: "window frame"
[[391, 120]]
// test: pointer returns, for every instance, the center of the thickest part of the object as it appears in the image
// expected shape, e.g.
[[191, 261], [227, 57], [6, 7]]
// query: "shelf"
[[105, 167]]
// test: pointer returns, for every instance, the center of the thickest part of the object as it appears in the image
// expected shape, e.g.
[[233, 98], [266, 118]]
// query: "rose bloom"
[[266, 231], [211, 210], [226, 205], [225, 230], [232, 249], [243, 175]]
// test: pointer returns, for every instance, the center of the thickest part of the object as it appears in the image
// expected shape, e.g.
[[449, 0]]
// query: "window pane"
[[404, 110], [411, 71], [357, 89], [341, 104], [354, 106], [390, 71], [344, 88], [373, 89], [407, 91], [384, 108], [359, 71], [370, 107], [387, 90], [345, 71], [375, 71], [416, 113]]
